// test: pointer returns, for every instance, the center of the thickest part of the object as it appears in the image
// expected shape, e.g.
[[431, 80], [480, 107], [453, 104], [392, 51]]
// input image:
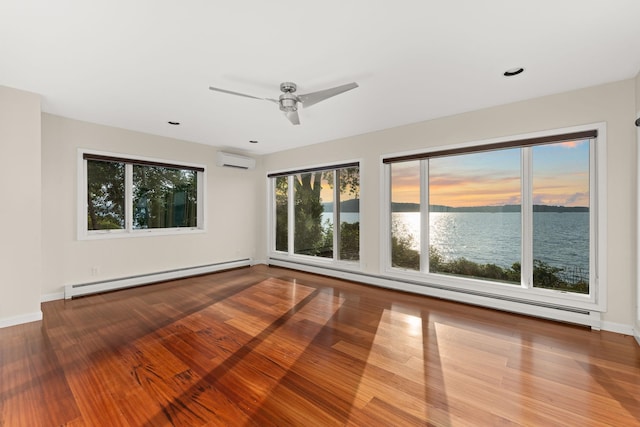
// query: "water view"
[[561, 239]]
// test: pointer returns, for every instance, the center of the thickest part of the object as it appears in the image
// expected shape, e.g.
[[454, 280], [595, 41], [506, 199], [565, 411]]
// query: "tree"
[[311, 236], [105, 195], [282, 213], [164, 197], [308, 210]]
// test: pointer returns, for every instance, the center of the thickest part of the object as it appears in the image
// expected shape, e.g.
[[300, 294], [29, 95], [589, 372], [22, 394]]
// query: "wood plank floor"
[[268, 346]]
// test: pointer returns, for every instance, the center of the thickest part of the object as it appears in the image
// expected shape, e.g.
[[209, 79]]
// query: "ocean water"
[[560, 239]]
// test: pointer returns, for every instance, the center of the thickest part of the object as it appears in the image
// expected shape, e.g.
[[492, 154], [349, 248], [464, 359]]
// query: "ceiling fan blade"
[[230, 92], [293, 117], [312, 98]]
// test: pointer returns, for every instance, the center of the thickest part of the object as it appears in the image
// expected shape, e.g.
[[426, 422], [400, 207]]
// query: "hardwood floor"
[[268, 346]]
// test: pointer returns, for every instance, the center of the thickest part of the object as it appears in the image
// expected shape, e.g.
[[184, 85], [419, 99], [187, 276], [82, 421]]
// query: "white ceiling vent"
[[234, 160]]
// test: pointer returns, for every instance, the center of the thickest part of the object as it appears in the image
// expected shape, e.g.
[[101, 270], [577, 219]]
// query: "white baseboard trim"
[[51, 297], [80, 289], [23, 318], [580, 317], [636, 334], [618, 328]]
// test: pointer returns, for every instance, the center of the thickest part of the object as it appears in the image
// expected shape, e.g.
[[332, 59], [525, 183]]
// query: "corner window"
[[123, 196], [316, 213], [512, 218]]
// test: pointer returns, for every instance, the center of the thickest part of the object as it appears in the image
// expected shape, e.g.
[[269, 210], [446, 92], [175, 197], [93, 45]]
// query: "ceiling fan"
[[289, 101]]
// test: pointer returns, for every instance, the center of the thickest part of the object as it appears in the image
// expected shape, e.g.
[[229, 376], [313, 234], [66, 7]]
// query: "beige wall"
[[39, 260], [20, 215], [612, 103], [231, 220], [637, 296]]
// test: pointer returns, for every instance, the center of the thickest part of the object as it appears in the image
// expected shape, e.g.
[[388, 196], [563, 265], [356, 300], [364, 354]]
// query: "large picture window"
[[316, 212], [124, 195], [521, 214]]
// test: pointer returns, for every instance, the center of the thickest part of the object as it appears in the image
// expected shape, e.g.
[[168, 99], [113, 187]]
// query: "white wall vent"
[[234, 160]]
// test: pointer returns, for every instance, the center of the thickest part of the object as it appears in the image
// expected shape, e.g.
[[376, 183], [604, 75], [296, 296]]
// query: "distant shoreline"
[[413, 207], [353, 205]]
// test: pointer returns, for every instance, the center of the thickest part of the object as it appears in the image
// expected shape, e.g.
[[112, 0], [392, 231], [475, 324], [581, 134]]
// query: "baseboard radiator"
[[81, 289], [531, 308]]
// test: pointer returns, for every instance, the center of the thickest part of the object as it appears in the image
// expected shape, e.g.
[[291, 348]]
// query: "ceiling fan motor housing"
[[288, 102], [288, 87]]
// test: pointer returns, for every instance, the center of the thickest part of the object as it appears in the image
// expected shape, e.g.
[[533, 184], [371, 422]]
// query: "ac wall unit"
[[234, 161]]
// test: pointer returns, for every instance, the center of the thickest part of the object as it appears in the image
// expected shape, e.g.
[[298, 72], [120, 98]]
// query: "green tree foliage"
[[311, 236], [282, 213], [105, 195], [164, 197], [309, 233], [402, 242], [549, 277], [350, 241]]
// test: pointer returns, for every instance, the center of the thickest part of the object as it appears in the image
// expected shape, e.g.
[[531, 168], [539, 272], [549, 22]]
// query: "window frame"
[[595, 300], [83, 232], [290, 255]]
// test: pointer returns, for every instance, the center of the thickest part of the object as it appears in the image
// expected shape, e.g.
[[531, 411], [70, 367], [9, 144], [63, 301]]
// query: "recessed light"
[[253, 141], [513, 71], [174, 123]]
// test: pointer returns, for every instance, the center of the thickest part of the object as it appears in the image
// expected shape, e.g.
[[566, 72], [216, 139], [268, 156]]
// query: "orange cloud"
[[571, 144]]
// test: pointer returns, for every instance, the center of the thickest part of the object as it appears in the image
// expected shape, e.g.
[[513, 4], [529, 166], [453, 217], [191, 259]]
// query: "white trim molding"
[[81, 289], [618, 328], [51, 297], [23, 318], [532, 308]]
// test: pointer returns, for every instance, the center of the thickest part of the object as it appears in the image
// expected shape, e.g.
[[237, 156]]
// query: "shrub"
[[544, 275]]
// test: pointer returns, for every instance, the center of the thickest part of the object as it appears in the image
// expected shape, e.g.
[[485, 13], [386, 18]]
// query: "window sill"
[[505, 291], [119, 234], [313, 261]]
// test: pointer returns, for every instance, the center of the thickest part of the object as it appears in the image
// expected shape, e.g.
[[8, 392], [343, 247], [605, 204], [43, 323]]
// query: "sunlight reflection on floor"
[[398, 348]]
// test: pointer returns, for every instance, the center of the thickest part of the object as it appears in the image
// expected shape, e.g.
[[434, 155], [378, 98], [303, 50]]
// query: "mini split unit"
[[234, 161]]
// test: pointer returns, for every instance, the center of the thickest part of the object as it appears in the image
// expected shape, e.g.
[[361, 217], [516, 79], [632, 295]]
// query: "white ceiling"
[[137, 64]]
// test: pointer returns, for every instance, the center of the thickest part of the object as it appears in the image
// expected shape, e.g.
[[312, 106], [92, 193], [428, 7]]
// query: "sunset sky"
[[561, 177]]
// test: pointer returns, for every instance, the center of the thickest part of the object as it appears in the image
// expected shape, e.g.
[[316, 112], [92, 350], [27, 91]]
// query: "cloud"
[[539, 199], [577, 199], [561, 199], [572, 144]]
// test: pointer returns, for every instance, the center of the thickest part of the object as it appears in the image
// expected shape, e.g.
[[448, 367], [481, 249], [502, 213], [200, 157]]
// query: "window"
[[164, 197], [105, 195], [474, 215], [516, 216], [316, 213], [405, 215], [125, 195], [282, 213]]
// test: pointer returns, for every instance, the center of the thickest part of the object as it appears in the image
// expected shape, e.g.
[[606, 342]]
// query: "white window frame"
[[596, 300], [83, 233], [309, 259]]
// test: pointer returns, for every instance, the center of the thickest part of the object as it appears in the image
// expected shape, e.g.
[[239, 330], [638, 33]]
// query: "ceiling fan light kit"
[[288, 101]]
